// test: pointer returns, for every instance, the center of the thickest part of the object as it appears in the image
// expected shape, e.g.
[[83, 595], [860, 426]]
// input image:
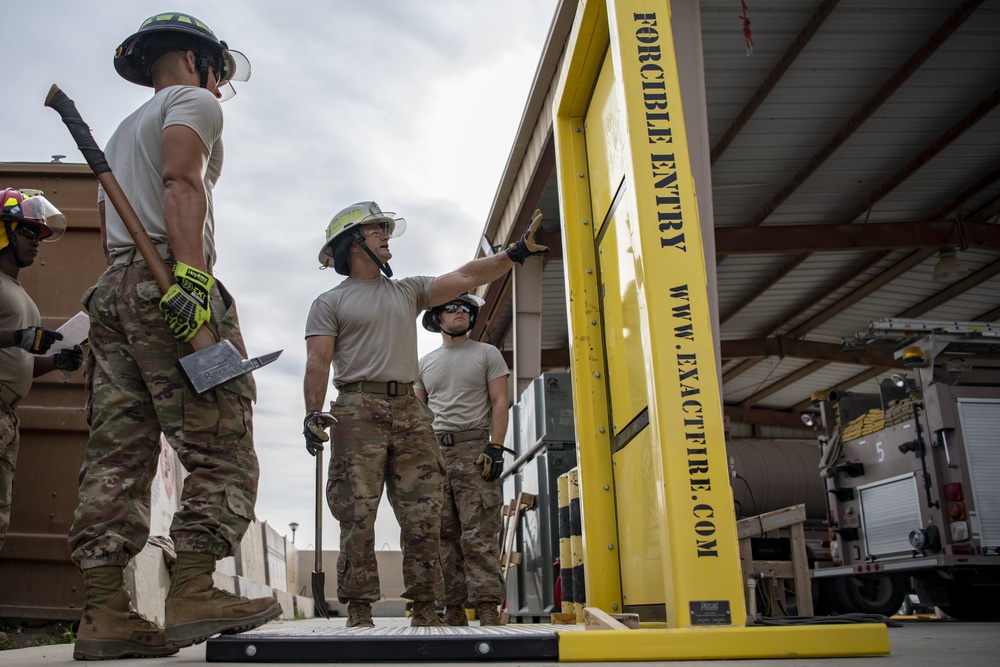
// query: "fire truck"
[[912, 475]]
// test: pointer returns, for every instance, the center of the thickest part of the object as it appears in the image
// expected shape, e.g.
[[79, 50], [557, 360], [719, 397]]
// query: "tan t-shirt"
[[135, 154], [455, 379], [374, 322], [17, 311]]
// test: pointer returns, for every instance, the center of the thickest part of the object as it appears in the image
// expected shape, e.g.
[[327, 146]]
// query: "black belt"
[[9, 396], [452, 439], [391, 388]]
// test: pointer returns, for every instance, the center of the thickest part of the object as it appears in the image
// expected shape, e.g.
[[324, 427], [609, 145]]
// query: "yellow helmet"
[[334, 251]]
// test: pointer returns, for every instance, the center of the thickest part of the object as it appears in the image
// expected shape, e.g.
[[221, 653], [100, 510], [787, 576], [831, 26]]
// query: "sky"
[[411, 103]]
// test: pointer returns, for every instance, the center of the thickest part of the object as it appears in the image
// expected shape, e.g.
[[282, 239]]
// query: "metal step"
[[536, 642]]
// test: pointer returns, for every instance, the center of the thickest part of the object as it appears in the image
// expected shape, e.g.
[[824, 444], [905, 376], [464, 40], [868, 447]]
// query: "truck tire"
[[877, 594]]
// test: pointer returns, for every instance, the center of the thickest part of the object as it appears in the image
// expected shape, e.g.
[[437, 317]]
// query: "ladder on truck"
[[903, 328]]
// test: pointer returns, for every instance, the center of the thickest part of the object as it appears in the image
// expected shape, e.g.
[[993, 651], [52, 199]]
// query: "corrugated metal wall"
[[37, 578]]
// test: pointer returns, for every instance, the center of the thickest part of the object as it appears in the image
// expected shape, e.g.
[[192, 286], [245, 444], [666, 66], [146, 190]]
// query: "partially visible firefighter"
[[364, 329], [167, 157], [28, 219], [464, 382]]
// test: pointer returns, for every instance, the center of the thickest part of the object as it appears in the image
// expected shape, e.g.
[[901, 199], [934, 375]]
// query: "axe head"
[[213, 366]]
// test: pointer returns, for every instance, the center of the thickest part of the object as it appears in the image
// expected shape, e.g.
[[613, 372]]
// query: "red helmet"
[[29, 207]]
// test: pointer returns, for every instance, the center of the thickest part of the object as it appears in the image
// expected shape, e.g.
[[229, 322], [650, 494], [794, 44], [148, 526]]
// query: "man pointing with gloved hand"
[[383, 440], [464, 382]]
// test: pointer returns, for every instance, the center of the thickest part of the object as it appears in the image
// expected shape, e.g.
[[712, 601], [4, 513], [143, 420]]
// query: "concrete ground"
[[916, 643]]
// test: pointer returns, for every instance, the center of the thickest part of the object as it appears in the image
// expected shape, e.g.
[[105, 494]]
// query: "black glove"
[[69, 359], [36, 339], [314, 429], [492, 461], [526, 247]]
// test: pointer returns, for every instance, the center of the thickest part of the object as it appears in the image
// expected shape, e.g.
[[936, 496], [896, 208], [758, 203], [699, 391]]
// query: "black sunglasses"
[[29, 233], [453, 307]]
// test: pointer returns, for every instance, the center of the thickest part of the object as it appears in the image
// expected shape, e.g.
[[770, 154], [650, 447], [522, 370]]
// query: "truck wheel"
[[868, 595]]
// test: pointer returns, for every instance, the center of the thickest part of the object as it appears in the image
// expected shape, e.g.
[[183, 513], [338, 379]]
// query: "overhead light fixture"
[[808, 419], [949, 267], [898, 380]]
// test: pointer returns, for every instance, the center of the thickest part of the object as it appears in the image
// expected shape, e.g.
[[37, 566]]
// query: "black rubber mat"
[[388, 644]]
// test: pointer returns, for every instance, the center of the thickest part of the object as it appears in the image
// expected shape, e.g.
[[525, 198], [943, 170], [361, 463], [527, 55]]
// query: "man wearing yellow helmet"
[[382, 437], [28, 218], [167, 156]]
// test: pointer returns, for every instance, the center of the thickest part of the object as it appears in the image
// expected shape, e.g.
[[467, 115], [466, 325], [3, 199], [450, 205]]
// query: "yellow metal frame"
[[696, 543]]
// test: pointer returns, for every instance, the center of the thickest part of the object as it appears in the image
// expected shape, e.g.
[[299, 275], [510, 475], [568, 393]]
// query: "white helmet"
[[334, 251]]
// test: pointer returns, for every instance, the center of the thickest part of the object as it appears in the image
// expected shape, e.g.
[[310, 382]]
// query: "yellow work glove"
[[526, 246], [187, 304]]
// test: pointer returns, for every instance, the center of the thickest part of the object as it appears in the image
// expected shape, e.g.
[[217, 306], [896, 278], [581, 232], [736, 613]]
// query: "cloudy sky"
[[411, 103]]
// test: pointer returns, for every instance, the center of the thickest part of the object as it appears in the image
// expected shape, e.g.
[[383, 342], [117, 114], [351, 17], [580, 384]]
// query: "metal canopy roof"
[[853, 143]]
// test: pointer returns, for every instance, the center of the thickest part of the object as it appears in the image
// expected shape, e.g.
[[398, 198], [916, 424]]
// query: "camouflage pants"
[[137, 391], [382, 441], [470, 528], [9, 439]]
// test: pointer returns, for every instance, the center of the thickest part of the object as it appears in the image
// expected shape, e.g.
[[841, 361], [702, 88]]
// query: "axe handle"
[[94, 156]]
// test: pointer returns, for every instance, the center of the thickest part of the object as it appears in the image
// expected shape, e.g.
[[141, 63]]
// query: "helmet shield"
[[235, 67], [25, 207]]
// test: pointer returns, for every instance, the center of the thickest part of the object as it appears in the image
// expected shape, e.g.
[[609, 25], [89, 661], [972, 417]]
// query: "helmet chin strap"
[[12, 241], [384, 268], [457, 335]]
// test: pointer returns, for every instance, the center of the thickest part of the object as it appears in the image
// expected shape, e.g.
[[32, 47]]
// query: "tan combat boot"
[[424, 615], [359, 614], [454, 614], [110, 628], [488, 614], [196, 610]]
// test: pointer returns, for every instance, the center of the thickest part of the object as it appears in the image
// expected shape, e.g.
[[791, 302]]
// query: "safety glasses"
[[27, 232], [455, 307], [377, 229]]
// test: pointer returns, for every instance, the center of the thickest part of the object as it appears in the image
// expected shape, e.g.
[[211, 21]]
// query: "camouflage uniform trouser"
[[382, 441], [137, 391], [9, 439], [470, 528]]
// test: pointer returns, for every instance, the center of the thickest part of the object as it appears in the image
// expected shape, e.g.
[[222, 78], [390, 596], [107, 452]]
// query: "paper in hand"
[[74, 332]]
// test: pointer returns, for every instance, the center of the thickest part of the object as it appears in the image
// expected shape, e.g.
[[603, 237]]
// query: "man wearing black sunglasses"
[[28, 218], [464, 382]]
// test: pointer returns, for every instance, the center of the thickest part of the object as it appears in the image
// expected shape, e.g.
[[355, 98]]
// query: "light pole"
[[294, 526]]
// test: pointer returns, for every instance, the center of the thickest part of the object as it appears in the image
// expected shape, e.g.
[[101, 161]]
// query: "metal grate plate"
[[389, 644]]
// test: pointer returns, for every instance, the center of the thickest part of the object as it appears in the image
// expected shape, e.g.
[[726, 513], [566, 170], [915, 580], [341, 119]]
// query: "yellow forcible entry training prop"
[[658, 522]]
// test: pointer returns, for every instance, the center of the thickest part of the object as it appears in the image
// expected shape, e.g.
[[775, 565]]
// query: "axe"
[[212, 364]]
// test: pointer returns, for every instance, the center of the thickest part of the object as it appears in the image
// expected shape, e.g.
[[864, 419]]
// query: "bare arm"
[[471, 274], [319, 356], [421, 394], [104, 232], [185, 201], [497, 389]]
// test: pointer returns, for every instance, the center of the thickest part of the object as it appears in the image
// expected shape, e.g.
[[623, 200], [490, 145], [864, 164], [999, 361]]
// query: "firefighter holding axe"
[[166, 158]]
